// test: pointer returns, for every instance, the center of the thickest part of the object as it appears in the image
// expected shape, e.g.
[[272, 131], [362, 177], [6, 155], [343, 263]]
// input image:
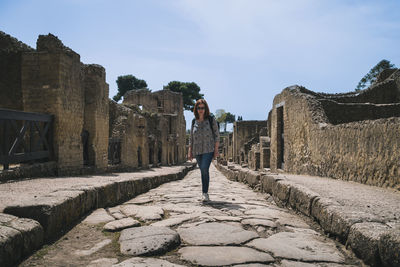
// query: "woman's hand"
[[216, 150], [216, 154]]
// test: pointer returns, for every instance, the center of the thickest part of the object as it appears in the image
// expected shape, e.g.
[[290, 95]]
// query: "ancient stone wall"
[[243, 131], [264, 151], [96, 114], [10, 71], [304, 140], [384, 91], [52, 83], [338, 113], [168, 143], [130, 127], [254, 157], [230, 147], [52, 80]]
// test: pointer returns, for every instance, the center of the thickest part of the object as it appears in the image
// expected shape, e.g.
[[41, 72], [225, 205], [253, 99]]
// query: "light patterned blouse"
[[201, 138]]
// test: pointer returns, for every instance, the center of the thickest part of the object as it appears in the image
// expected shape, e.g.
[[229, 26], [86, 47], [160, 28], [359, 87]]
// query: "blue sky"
[[240, 52]]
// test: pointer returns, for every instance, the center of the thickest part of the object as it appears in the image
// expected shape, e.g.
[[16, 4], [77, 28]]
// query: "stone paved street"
[[170, 226]]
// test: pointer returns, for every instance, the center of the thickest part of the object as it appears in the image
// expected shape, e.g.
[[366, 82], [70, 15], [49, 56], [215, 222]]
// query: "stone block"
[[343, 219], [281, 192], [301, 199], [322, 210], [364, 240], [242, 176], [11, 244], [32, 234], [253, 178], [55, 212], [19, 237], [268, 183], [389, 248]]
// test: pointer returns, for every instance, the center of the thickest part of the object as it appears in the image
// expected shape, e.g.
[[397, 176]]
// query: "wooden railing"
[[25, 136]]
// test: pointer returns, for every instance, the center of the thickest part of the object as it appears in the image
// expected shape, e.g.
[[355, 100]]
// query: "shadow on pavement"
[[222, 205]]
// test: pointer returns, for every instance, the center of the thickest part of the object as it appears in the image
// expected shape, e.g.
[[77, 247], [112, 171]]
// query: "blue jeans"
[[204, 161]]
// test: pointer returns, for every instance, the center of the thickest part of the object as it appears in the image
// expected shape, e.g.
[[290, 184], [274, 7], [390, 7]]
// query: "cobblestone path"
[[171, 226]]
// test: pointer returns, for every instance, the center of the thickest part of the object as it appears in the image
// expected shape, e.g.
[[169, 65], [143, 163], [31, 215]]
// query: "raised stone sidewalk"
[[364, 218], [34, 212]]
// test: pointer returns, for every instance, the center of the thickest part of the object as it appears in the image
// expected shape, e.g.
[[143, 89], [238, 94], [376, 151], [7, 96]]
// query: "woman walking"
[[203, 142]]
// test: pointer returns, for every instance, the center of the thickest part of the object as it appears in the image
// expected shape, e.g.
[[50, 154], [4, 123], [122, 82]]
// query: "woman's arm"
[[216, 150], [190, 154], [216, 140]]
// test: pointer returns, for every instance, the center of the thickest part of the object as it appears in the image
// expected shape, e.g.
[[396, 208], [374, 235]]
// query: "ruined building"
[[87, 130], [166, 137], [245, 134], [52, 80], [157, 134], [352, 136]]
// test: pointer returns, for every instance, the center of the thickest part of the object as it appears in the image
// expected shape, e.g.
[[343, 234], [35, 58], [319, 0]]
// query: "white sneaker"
[[206, 197]]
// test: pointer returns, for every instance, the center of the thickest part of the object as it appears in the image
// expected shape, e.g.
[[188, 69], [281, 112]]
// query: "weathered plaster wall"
[[365, 151]]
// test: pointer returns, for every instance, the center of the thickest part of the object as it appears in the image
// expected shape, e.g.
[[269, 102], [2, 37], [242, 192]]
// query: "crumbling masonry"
[[352, 136], [51, 79]]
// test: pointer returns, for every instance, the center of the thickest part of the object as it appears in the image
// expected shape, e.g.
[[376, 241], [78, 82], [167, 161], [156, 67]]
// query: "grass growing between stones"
[[115, 246]]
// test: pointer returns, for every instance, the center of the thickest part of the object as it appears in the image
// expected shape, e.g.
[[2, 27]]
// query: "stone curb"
[[51, 215], [376, 243]]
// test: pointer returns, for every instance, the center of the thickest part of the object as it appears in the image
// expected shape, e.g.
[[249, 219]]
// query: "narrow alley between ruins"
[[171, 226]]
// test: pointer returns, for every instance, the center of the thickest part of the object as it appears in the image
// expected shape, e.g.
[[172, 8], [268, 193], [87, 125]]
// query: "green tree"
[[220, 116], [190, 92], [371, 76], [224, 117], [126, 83], [230, 118]]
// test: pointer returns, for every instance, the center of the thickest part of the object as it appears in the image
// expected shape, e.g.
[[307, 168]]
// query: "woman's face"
[[201, 109]]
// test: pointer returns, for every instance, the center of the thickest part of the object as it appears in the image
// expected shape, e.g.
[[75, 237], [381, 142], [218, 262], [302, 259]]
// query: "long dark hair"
[[206, 111]]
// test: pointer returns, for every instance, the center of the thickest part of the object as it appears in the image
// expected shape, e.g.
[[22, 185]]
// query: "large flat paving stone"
[[146, 262], [224, 255], [215, 233], [98, 216], [148, 240], [121, 224], [300, 246], [144, 213]]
